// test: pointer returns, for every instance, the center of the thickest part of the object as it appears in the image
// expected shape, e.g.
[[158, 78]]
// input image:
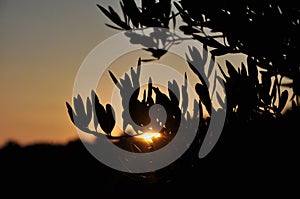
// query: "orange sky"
[[42, 46]]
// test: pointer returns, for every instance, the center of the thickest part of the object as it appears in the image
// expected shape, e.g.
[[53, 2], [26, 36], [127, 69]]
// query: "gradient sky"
[[42, 44]]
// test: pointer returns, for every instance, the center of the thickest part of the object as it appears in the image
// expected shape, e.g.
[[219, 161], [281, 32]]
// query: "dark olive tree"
[[267, 32]]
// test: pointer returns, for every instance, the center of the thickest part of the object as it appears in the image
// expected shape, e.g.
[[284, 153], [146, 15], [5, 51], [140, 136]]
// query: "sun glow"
[[148, 136]]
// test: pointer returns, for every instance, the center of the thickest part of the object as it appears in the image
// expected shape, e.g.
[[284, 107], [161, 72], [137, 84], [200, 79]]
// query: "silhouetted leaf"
[[266, 86], [157, 53], [178, 7], [114, 14], [135, 79], [203, 93], [210, 66], [110, 119], [115, 80], [282, 100], [233, 74], [133, 12], [138, 71], [101, 116], [244, 71], [113, 27], [135, 76], [83, 118], [214, 82], [252, 70], [208, 41], [194, 69], [173, 86], [71, 112], [173, 97], [195, 61], [223, 73], [185, 96], [161, 98], [290, 84], [185, 17], [93, 98], [174, 20], [220, 80], [124, 13], [148, 60], [144, 96], [149, 94], [79, 107], [114, 17], [89, 110], [127, 80], [188, 30], [219, 51], [274, 90], [106, 12], [296, 83], [220, 100], [196, 106]]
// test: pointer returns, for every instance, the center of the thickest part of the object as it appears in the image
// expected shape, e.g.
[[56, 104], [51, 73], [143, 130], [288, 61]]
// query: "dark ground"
[[257, 159]]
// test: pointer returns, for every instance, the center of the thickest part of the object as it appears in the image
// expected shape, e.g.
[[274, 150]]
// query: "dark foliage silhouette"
[[248, 98], [139, 110], [195, 60], [255, 90], [137, 113], [267, 32], [154, 14], [105, 116]]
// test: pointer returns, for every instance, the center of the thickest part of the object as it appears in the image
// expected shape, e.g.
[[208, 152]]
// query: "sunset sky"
[[42, 45]]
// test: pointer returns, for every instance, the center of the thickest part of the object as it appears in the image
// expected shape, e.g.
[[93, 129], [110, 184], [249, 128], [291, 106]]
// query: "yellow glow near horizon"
[[148, 136]]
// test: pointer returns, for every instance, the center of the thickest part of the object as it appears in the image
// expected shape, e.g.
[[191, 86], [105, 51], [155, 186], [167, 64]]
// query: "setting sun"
[[148, 136]]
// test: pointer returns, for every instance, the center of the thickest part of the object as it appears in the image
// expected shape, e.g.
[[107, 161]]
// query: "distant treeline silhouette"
[[254, 158]]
